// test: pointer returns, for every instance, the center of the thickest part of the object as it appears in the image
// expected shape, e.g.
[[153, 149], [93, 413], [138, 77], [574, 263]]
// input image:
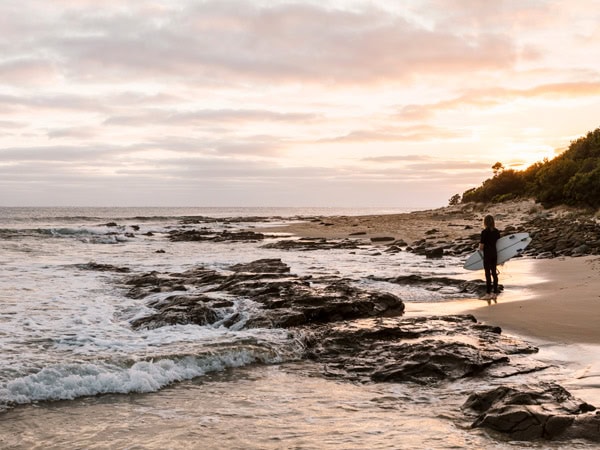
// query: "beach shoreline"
[[555, 300], [212, 383], [563, 308]]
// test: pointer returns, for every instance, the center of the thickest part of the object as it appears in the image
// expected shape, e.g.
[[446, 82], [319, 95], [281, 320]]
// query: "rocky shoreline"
[[450, 231], [361, 335]]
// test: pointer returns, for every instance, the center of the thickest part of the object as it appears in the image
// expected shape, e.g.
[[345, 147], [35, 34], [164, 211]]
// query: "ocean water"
[[74, 374]]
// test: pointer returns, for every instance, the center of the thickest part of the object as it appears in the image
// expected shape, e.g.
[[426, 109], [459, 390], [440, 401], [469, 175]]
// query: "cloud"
[[425, 164], [257, 146], [56, 102], [70, 154], [398, 134], [489, 97], [395, 158], [238, 40], [25, 71], [10, 124], [207, 116], [73, 132]]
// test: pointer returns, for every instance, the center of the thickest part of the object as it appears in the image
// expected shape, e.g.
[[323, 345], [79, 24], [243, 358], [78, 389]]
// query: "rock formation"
[[546, 411]]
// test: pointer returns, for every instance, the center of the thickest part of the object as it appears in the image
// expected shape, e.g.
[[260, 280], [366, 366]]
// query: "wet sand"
[[564, 307]]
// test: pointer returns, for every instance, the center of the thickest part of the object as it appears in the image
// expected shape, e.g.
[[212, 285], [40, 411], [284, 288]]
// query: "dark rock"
[[182, 310], [574, 234], [393, 249], [272, 265], [152, 282], [208, 235], [103, 267], [475, 287], [382, 239], [546, 411], [418, 350], [287, 300], [432, 253], [310, 244]]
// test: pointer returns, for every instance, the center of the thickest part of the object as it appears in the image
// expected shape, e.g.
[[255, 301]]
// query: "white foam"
[[77, 380]]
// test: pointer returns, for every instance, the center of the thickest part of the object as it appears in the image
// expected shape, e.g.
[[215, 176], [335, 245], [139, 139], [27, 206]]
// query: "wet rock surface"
[[285, 299], [353, 333], [308, 244], [103, 267], [423, 350], [181, 310], [215, 236], [450, 286], [545, 411]]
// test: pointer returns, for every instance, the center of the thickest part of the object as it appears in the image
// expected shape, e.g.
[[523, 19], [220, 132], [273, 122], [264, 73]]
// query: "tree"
[[572, 178], [584, 188], [498, 168], [454, 200], [552, 178]]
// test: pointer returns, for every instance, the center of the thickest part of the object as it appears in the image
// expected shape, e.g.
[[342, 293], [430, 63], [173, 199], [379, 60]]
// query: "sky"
[[286, 103]]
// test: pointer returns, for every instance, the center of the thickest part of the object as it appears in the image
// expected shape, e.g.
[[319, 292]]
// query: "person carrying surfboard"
[[487, 244]]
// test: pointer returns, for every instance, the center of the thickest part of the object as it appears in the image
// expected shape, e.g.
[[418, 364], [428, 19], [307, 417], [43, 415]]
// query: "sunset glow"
[[286, 103]]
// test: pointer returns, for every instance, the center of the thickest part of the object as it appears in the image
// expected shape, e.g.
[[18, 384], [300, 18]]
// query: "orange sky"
[[286, 103]]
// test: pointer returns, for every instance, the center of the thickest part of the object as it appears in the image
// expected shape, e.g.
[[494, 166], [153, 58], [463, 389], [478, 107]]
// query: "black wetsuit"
[[489, 237]]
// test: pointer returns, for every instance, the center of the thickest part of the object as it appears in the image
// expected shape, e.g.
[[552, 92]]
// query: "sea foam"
[[70, 381]]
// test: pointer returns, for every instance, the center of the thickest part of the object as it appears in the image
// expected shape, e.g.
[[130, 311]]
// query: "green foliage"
[[572, 178], [584, 189], [552, 178], [503, 186]]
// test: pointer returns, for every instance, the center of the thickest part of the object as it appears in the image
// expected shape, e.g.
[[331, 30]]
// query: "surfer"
[[487, 244]]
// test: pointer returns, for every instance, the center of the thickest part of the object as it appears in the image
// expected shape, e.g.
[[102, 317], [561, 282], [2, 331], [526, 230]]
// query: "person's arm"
[[481, 246]]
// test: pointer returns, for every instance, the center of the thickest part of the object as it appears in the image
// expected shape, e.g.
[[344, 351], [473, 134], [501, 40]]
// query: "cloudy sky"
[[286, 103]]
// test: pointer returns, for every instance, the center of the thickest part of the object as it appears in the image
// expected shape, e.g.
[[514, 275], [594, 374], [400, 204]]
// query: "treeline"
[[572, 178]]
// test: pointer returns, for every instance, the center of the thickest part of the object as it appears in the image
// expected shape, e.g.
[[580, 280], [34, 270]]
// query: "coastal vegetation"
[[571, 178]]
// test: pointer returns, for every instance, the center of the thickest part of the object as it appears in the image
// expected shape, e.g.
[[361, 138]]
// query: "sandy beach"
[[562, 306], [565, 307]]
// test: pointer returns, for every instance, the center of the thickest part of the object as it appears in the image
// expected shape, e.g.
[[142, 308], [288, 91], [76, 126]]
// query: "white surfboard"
[[507, 247]]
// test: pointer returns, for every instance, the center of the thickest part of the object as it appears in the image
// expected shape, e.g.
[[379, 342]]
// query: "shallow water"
[[273, 407], [74, 374]]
